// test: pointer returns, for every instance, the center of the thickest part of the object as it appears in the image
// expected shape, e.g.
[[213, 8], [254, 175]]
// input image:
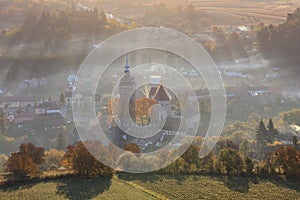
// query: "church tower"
[[126, 89]]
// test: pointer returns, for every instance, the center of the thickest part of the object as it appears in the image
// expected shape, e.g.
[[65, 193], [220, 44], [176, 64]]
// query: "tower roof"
[[126, 65], [127, 79], [152, 92]]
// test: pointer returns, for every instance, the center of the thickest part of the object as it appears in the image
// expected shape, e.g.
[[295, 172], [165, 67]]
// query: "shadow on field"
[[288, 183], [14, 186], [240, 184], [80, 188], [147, 177]]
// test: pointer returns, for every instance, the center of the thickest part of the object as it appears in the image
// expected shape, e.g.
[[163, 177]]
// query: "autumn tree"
[[287, 159], [21, 165], [84, 163], [34, 152], [229, 161], [142, 110], [134, 148], [26, 161], [249, 165], [224, 143], [53, 159], [3, 160], [191, 156], [207, 163]]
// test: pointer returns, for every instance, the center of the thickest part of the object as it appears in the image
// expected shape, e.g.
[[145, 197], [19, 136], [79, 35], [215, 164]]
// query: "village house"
[[16, 102], [80, 98]]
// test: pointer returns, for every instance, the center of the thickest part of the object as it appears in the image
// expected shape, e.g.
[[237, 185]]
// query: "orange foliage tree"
[[26, 161], [142, 110], [85, 164]]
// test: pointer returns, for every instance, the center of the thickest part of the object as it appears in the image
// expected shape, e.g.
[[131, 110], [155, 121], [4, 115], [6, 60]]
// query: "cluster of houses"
[[241, 91], [33, 83], [20, 109]]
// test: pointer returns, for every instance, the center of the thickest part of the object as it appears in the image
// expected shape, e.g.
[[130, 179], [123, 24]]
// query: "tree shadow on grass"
[[293, 184], [17, 186], [146, 177], [236, 183], [80, 188], [239, 184], [14, 183]]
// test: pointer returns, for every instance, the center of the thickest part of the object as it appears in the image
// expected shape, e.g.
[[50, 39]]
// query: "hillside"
[[246, 12], [75, 188], [156, 187]]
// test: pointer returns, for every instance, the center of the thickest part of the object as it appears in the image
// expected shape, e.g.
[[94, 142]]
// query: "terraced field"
[[151, 186]]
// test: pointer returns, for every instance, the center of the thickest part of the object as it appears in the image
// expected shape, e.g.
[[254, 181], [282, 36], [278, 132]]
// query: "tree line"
[[281, 43], [226, 158]]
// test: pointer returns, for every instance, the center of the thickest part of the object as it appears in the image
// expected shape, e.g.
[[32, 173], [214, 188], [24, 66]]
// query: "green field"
[[76, 188], [156, 187]]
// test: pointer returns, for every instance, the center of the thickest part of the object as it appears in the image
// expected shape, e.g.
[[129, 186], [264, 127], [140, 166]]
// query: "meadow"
[[245, 12], [149, 186]]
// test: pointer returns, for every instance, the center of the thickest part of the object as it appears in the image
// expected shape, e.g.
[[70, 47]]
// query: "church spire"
[[126, 64]]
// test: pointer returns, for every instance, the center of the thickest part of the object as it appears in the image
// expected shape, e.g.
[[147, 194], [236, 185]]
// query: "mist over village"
[[139, 130]]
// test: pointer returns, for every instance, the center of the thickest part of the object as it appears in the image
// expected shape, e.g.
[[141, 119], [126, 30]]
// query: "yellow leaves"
[[142, 110]]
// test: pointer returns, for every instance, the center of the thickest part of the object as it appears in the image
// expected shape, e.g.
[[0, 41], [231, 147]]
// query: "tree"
[[21, 165], [134, 148], [26, 161], [60, 142], [229, 161], [142, 110], [191, 156], [261, 133], [34, 152], [127, 160], [272, 132], [3, 126], [208, 162], [83, 163], [62, 99], [3, 160], [103, 18], [287, 158], [295, 141], [53, 159], [249, 165], [224, 143]]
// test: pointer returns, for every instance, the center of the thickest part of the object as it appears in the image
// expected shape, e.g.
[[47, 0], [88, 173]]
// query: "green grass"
[[218, 187], [149, 186], [75, 188]]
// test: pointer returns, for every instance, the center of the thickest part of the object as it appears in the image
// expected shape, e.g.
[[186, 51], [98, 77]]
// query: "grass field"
[[75, 188], [208, 187], [155, 187], [246, 12]]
